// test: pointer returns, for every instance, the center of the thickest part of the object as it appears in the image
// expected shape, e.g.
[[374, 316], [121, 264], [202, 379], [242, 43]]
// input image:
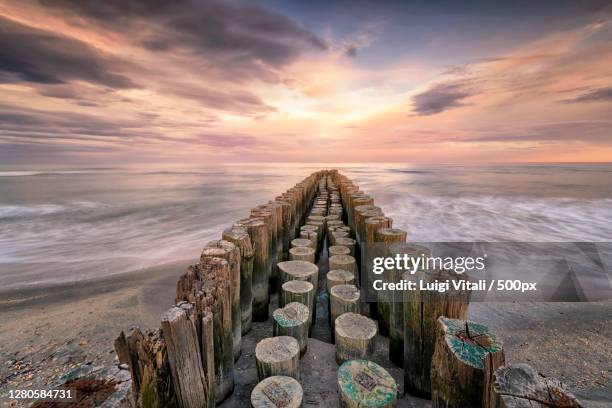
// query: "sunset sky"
[[126, 82]]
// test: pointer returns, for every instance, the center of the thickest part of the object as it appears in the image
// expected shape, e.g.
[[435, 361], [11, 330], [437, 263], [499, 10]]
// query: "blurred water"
[[67, 225]]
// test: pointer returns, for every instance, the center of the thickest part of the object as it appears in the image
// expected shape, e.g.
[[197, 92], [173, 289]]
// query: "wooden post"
[[302, 254], [354, 336], [361, 213], [269, 218], [190, 383], [338, 250], [301, 242], [313, 236], [292, 320], [298, 291], [299, 270], [344, 262], [232, 256], [421, 312], [147, 358], [350, 243], [457, 369], [520, 385], [240, 238], [278, 391], [363, 383], [278, 356], [343, 299], [386, 236], [259, 238], [339, 277], [373, 224]]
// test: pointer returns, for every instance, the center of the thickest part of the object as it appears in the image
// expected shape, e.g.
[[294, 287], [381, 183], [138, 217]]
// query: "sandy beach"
[[48, 332]]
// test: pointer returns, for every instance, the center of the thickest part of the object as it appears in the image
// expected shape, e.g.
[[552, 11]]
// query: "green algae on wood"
[[363, 383], [457, 368]]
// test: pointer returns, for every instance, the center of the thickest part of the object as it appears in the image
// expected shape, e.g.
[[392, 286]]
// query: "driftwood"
[[354, 335], [363, 383], [292, 320], [520, 386], [278, 356], [278, 391], [457, 368]]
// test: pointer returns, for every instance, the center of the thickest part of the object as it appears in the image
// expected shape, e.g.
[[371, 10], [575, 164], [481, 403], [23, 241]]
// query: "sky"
[[150, 81]]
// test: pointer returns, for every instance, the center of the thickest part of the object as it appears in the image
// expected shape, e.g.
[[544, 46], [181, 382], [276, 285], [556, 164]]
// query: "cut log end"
[[354, 336], [278, 391], [363, 383], [278, 356]]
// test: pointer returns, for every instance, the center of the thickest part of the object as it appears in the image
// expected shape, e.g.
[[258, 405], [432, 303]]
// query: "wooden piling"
[[299, 270], [421, 312], [345, 262], [190, 384], [292, 320], [278, 356], [386, 236], [299, 291], [363, 383], [457, 369], [343, 298], [338, 250], [302, 242], [339, 277], [261, 267], [302, 254], [350, 243], [240, 238], [354, 335], [278, 391]]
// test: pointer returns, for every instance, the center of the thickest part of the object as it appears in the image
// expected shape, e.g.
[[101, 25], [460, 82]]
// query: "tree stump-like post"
[[386, 236], [350, 243], [302, 254], [301, 242], [299, 291], [313, 236], [278, 391], [292, 320], [457, 369], [232, 256], [240, 238], [373, 224], [520, 385], [363, 383], [343, 299], [188, 378], [339, 277], [338, 250], [278, 356], [337, 234], [261, 266], [421, 312], [299, 270], [344, 262], [361, 213], [354, 336]]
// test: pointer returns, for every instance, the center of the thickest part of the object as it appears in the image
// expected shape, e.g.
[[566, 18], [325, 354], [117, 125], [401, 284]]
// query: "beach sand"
[[47, 332]]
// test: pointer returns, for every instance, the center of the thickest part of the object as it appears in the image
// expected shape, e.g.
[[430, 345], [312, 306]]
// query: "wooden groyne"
[[189, 362]]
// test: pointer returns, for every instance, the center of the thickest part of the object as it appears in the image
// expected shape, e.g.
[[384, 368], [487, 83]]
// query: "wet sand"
[[47, 332]]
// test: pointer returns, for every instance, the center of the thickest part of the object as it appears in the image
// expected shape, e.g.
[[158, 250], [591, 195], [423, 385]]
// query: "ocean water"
[[78, 224]]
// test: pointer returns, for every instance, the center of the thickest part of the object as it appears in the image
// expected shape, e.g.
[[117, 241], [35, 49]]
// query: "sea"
[[77, 224]]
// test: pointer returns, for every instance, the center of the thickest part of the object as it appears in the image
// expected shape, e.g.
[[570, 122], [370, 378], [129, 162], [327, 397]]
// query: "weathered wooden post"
[[313, 236], [278, 391], [344, 262], [350, 243], [386, 236], [363, 383], [339, 277], [301, 242], [259, 238], [269, 218], [343, 299], [338, 250], [421, 312], [190, 383], [278, 356], [240, 238], [292, 320], [299, 270], [520, 385], [457, 369], [232, 256], [298, 291], [354, 336], [302, 254]]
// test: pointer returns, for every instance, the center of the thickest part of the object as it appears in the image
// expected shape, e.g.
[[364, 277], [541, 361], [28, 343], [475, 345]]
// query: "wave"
[[18, 211]]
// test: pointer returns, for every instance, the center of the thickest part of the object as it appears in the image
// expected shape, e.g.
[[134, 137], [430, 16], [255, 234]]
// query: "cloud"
[[32, 55], [594, 95], [440, 97], [226, 141], [233, 34]]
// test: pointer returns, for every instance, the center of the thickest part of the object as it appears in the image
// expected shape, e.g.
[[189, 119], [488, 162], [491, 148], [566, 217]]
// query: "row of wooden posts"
[[189, 362]]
